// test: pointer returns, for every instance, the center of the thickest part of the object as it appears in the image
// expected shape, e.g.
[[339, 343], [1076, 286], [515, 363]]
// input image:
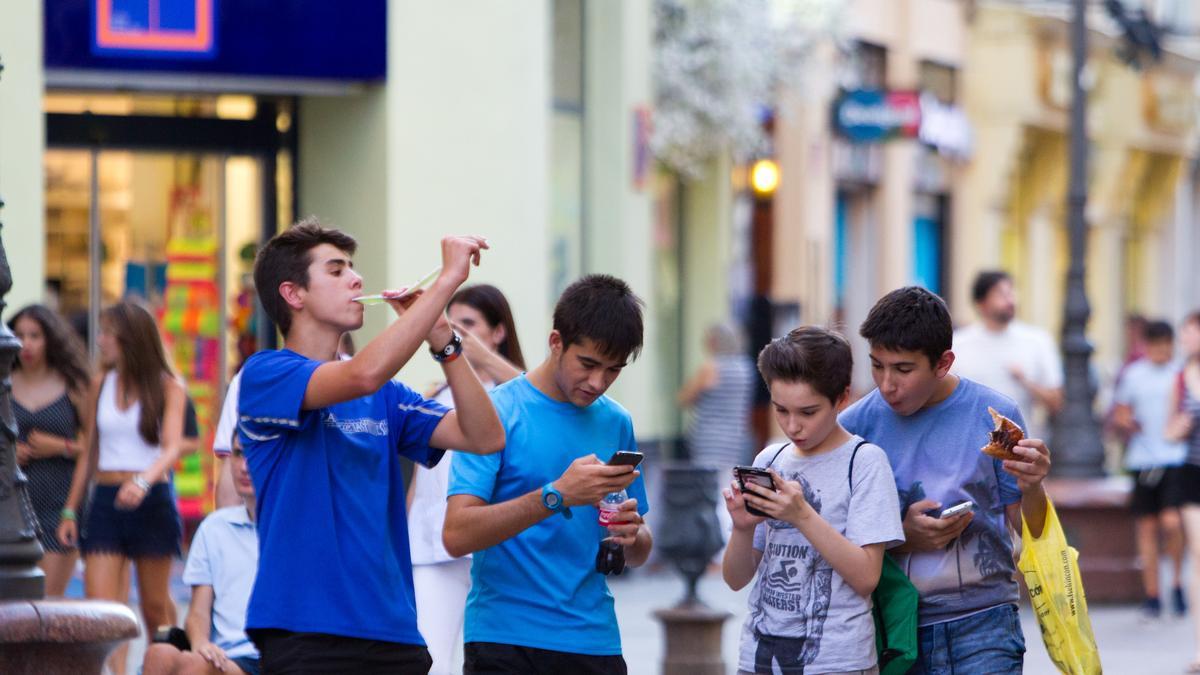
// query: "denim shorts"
[[990, 641], [152, 530]]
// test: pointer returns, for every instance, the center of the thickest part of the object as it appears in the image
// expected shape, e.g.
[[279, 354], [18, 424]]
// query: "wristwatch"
[[450, 352], [552, 499]]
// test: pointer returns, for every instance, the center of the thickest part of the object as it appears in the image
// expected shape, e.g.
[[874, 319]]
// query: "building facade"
[[136, 162], [867, 204]]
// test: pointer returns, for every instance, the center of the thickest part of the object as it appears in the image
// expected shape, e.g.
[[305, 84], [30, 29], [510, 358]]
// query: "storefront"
[[162, 192]]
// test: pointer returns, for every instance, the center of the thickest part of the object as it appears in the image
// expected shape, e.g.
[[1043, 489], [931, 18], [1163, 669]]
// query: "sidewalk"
[[1126, 644]]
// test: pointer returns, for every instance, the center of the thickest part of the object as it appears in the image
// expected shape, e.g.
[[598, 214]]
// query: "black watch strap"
[[450, 352]]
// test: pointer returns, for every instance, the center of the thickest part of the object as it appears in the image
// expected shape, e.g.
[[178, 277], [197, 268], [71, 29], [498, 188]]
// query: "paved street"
[[1126, 644]]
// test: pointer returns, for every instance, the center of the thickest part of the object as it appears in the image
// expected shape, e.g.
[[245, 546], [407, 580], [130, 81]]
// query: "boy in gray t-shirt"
[[817, 557]]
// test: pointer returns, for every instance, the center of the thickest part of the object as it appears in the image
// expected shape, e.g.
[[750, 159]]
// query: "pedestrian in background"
[[1014, 358], [1142, 410], [482, 316], [719, 395], [1185, 426], [221, 565], [135, 420], [50, 382], [817, 557]]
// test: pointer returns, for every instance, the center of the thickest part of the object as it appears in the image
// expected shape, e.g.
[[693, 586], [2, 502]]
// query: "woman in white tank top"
[[134, 426], [481, 315]]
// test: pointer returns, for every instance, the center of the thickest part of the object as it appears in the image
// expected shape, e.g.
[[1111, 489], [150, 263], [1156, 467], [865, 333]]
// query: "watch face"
[[551, 500]]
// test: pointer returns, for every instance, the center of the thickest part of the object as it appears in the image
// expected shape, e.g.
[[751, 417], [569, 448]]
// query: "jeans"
[[988, 642]]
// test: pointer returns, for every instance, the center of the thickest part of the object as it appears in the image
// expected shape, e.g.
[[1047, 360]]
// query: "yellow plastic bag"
[[1051, 569]]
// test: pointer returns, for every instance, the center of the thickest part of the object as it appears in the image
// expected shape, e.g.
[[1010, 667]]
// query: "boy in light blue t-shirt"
[[323, 438], [932, 425], [1142, 408], [538, 603]]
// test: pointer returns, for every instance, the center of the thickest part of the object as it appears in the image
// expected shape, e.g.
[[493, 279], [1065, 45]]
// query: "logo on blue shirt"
[[360, 425]]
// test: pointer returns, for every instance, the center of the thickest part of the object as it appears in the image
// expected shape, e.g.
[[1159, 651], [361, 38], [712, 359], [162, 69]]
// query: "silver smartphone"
[[957, 510]]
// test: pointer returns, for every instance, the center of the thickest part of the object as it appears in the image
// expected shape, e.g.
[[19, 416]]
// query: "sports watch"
[[451, 351], [552, 499]]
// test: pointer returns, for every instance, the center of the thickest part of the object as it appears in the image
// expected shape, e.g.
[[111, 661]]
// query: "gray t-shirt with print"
[[804, 618]]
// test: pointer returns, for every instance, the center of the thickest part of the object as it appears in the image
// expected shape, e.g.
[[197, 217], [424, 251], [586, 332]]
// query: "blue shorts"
[[248, 664], [988, 642], [152, 530]]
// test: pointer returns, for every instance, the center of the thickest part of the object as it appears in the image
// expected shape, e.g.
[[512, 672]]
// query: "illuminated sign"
[[173, 28]]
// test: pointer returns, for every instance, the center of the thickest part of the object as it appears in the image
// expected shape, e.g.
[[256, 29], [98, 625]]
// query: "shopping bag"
[[893, 607], [1051, 569], [895, 613]]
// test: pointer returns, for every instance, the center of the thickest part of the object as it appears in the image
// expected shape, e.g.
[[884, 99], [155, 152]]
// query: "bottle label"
[[607, 516]]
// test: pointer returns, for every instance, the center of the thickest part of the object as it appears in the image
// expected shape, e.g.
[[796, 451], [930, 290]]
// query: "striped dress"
[[719, 433], [49, 477]]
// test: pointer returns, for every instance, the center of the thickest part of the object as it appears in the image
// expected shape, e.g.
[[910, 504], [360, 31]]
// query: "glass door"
[[177, 232]]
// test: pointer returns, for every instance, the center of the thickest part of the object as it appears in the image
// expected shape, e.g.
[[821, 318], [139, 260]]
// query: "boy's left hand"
[[1031, 472], [785, 503], [624, 526]]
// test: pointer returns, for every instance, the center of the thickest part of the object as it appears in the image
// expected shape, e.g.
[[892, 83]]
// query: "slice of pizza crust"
[[1004, 438]]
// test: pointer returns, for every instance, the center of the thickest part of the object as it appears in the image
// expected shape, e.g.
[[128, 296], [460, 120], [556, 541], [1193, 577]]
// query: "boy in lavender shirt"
[[931, 424]]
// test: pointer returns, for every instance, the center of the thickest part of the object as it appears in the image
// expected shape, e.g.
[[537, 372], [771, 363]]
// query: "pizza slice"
[[1004, 438]]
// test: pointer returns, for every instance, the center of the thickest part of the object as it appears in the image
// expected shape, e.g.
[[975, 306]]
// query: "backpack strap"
[[777, 453], [850, 473]]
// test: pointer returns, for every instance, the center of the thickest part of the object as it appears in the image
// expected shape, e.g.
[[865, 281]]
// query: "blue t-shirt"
[[224, 555], [1147, 388], [540, 588], [333, 537], [934, 454]]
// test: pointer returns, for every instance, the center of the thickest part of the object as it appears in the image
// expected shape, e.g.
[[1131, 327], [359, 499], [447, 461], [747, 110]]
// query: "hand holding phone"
[[757, 476], [626, 458], [957, 510]]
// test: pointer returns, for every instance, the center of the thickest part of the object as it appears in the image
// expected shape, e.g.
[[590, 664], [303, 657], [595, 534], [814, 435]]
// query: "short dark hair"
[[985, 281], [603, 309], [1159, 331], [910, 319], [1194, 317], [286, 258], [818, 357]]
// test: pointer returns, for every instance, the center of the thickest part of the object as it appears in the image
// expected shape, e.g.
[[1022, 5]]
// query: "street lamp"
[[38, 635], [1079, 452]]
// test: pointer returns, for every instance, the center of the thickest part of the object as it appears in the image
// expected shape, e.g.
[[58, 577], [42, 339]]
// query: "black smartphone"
[[625, 458], [760, 477]]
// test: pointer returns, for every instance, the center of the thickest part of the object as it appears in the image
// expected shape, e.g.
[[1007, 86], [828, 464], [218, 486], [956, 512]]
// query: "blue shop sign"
[[869, 115], [282, 39]]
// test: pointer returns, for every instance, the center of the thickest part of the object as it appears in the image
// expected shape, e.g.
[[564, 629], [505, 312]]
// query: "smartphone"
[[957, 510], [757, 476], [626, 458]]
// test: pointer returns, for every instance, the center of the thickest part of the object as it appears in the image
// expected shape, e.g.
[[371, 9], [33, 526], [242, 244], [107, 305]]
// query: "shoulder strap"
[[777, 453], [850, 473]]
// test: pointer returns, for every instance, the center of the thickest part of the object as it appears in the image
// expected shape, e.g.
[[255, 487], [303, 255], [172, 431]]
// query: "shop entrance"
[[168, 210]]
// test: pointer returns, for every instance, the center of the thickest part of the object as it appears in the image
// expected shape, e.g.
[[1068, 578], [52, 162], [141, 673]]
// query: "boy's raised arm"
[[337, 381]]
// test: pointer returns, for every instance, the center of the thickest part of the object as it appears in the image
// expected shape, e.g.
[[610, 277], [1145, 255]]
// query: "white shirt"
[[987, 357], [223, 440], [1147, 388], [428, 512]]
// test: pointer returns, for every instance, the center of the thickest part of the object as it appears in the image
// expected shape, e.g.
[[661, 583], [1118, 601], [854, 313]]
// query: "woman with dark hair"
[[481, 315], [135, 419], [49, 387]]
